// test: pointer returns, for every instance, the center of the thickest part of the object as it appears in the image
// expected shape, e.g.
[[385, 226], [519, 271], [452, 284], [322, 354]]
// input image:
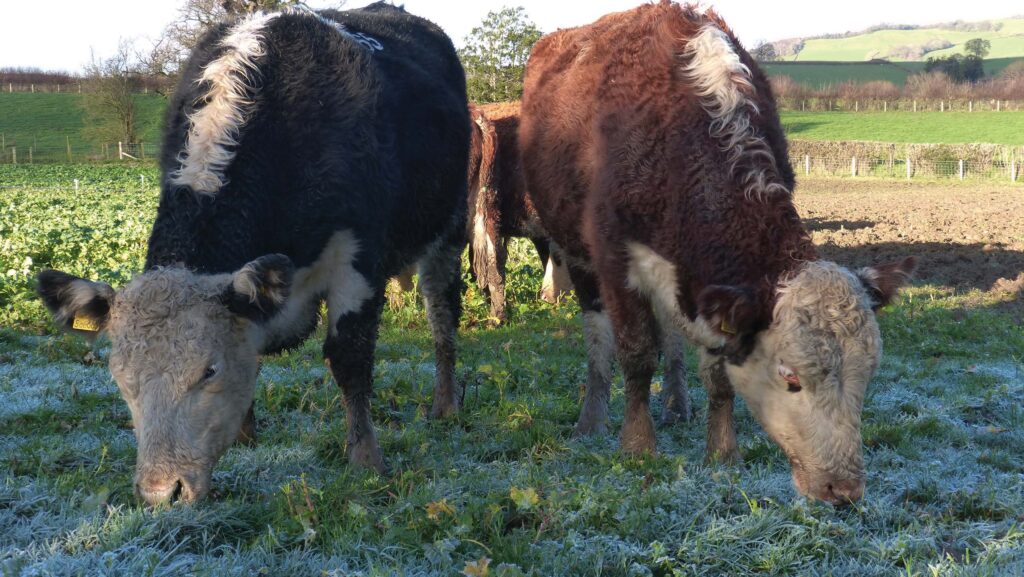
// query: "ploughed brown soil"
[[965, 236]]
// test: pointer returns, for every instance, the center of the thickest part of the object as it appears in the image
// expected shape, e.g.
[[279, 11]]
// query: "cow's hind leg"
[[675, 399], [441, 285], [721, 445], [600, 344], [354, 307]]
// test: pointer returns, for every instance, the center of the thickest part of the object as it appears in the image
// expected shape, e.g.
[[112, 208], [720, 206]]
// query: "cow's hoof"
[[443, 409], [671, 416], [590, 428], [367, 456], [726, 456], [637, 436]]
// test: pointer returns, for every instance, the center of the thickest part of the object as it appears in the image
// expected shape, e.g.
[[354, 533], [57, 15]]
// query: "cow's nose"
[[155, 493], [844, 491]]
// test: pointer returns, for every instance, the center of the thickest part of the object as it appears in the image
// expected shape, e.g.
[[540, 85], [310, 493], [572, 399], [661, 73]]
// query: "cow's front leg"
[[352, 336], [721, 445], [675, 399], [441, 285], [636, 339]]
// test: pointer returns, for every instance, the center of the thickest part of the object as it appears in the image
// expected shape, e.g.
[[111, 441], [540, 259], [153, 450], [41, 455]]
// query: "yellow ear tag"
[[727, 328], [85, 324]]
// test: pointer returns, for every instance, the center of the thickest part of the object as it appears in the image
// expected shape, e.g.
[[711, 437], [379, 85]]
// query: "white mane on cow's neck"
[[214, 128], [724, 86]]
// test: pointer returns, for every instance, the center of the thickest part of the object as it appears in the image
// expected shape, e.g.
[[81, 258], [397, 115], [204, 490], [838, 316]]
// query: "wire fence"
[[74, 151], [838, 164], [818, 104], [908, 168]]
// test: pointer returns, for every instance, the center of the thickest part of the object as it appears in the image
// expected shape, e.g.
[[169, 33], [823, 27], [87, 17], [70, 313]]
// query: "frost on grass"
[[28, 388], [942, 438]]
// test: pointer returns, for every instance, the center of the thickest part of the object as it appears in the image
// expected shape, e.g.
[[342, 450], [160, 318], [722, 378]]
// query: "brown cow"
[[499, 207], [655, 158]]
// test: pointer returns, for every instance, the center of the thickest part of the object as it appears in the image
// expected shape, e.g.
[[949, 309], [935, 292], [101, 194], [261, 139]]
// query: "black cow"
[[307, 157]]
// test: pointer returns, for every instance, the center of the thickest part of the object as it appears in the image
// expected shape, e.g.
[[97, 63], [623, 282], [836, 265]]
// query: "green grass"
[[1006, 42], [819, 73], [918, 127], [503, 481], [47, 122]]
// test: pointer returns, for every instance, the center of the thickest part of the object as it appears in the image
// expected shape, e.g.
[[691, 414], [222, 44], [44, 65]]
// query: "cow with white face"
[[654, 156], [307, 158]]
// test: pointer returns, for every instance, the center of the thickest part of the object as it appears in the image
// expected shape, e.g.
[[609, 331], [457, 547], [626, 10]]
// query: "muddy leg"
[[721, 445], [636, 338], [600, 345], [247, 434], [349, 353], [675, 399], [441, 285]]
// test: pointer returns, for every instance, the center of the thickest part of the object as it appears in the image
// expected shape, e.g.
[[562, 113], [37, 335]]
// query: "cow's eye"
[[211, 371]]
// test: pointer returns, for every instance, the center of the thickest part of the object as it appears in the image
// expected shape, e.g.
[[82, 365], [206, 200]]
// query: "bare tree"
[[108, 98], [764, 52], [194, 18]]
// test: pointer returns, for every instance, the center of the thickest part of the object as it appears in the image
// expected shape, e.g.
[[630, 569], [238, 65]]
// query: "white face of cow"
[[184, 353], [807, 375]]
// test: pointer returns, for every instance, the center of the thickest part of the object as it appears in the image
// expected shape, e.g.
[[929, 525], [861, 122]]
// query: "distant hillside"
[[907, 43], [818, 74]]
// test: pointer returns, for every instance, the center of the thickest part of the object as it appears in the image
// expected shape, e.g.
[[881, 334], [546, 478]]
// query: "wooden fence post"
[[908, 168], [853, 166], [915, 106], [30, 155], [14, 155], [1013, 171], [807, 164], [76, 185], [970, 106], [961, 169], [120, 151]]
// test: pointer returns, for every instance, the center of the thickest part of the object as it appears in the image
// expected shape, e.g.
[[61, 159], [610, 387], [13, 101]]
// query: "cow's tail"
[[213, 128], [485, 210], [725, 87]]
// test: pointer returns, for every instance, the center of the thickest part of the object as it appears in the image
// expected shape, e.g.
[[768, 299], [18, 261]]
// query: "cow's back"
[[342, 121], [620, 145]]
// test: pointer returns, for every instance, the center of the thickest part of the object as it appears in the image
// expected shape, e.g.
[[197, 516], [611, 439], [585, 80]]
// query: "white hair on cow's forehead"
[[724, 86], [214, 128]]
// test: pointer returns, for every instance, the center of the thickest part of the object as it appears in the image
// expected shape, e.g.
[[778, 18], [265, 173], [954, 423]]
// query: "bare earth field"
[[965, 236]]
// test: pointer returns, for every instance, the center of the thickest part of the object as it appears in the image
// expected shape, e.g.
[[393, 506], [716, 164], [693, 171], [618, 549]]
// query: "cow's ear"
[[884, 281], [259, 289], [729, 310], [78, 305]]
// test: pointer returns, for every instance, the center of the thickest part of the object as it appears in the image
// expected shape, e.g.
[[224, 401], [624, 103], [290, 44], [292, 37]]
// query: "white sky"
[[58, 35]]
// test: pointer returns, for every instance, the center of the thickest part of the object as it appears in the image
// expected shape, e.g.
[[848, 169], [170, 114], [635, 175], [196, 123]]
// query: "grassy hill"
[[1007, 42], [818, 74], [47, 122]]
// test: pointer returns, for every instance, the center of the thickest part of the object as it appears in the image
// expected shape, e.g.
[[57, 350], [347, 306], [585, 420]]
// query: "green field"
[[817, 74], [501, 490], [918, 127], [47, 122], [1008, 41]]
